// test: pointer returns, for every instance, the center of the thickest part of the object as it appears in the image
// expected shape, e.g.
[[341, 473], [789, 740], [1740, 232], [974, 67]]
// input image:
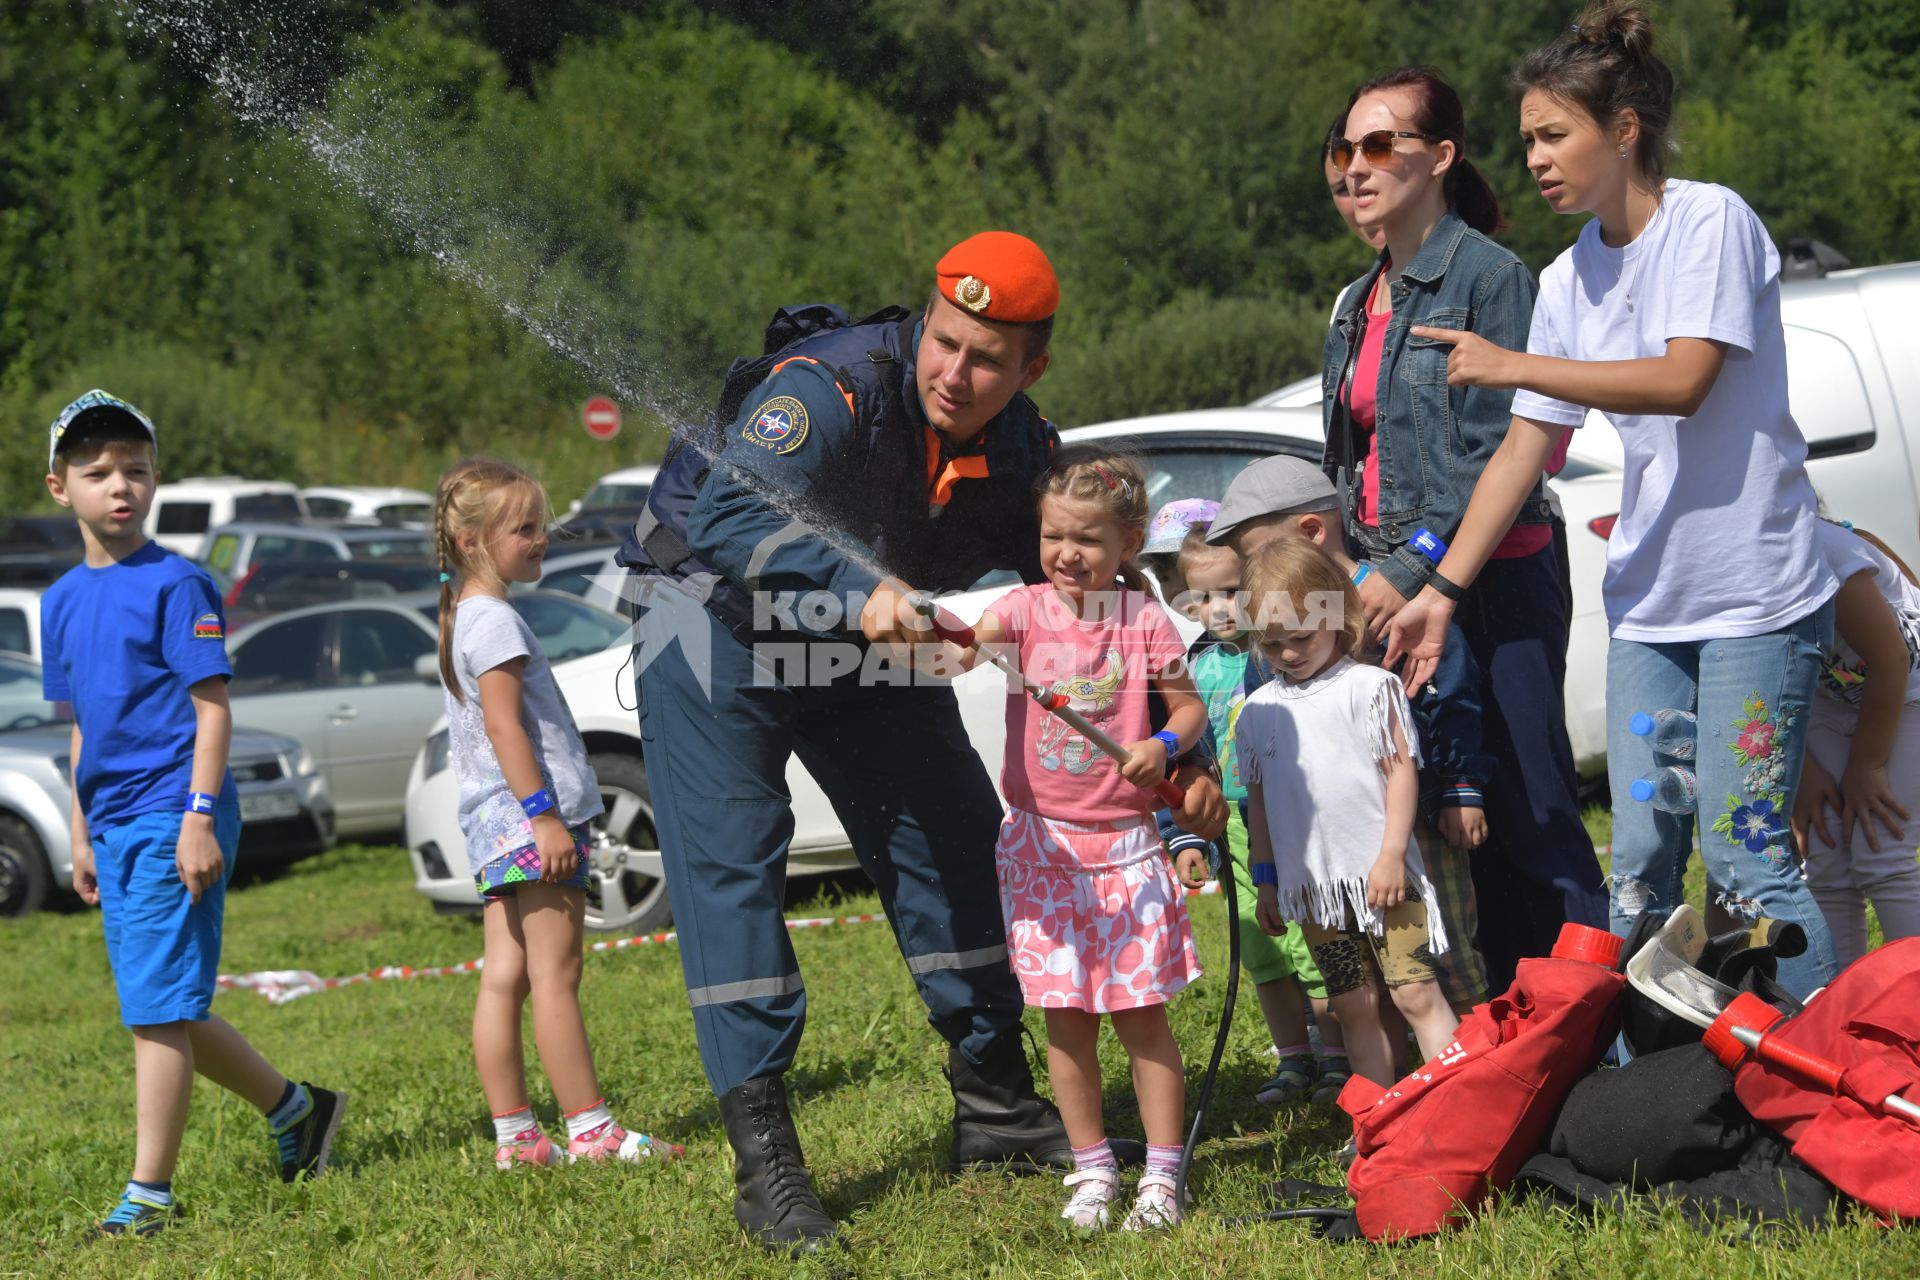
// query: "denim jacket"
[[1432, 440]]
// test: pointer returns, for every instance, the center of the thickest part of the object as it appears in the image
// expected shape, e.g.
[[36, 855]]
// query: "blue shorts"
[[164, 947]]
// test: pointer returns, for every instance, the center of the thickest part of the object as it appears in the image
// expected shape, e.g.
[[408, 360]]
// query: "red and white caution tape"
[[279, 986]]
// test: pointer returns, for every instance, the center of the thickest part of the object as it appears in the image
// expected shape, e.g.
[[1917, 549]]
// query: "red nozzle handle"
[[1170, 792], [1791, 1057]]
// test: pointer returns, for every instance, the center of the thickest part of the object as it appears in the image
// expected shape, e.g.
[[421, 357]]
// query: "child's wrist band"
[[1263, 873], [1172, 742], [200, 802], [538, 803], [1360, 572]]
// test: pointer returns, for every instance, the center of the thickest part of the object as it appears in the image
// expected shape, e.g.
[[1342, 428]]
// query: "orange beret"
[[999, 275]]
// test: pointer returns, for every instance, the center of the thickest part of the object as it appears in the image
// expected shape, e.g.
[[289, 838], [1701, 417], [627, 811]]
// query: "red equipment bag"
[[1867, 1024], [1436, 1145]]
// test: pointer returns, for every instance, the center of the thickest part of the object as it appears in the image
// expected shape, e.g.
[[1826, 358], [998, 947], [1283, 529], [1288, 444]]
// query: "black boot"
[[773, 1197], [999, 1123]]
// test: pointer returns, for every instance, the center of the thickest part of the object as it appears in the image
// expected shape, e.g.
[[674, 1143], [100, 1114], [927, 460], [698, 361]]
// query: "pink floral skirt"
[[1094, 918]]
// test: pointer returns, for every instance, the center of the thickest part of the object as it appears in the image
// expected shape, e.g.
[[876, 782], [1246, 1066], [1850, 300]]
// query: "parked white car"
[[398, 508], [359, 683], [285, 805], [626, 487], [591, 575], [20, 621], [183, 510]]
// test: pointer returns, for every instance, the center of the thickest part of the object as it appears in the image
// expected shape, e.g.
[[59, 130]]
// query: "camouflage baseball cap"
[[95, 401]]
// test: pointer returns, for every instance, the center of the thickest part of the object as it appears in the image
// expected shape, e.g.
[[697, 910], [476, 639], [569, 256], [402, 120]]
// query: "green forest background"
[[298, 231]]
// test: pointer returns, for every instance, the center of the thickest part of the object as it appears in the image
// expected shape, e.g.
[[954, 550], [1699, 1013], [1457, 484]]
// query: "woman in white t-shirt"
[[1665, 316]]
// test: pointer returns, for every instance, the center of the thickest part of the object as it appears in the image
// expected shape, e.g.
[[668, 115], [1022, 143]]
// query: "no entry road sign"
[[602, 418]]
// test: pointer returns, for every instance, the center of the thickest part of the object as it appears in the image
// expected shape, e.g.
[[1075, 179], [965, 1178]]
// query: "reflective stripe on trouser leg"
[[716, 745], [923, 817]]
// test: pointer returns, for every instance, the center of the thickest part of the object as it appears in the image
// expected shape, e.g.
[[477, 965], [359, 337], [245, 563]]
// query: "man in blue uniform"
[[775, 568]]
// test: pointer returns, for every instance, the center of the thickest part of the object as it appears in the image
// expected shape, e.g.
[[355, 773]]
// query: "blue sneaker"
[[136, 1217], [307, 1142]]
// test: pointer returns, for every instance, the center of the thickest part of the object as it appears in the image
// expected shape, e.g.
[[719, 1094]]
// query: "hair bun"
[[1618, 23]]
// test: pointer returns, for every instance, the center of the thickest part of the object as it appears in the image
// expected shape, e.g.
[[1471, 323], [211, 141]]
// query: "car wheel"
[[25, 877], [621, 897]]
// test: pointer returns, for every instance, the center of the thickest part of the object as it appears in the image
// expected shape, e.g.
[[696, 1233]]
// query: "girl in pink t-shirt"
[[1095, 923]]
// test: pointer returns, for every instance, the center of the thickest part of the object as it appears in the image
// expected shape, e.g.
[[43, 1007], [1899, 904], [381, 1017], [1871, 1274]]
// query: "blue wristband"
[[1429, 546], [1263, 873], [1360, 572], [538, 803], [200, 802], [1172, 741]]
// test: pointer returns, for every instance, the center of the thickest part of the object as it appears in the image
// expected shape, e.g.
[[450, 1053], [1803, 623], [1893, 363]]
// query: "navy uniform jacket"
[[830, 478]]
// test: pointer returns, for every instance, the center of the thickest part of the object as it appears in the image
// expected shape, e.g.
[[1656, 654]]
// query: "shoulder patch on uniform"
[[209, 627], [780, 424]]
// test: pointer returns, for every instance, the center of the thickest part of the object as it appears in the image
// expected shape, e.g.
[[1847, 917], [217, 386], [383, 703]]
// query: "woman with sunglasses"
[[1665, 316], [1406, 448]]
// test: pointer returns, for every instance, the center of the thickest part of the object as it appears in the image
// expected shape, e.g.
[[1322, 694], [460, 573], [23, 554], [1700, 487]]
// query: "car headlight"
[[301, 763], [439, 750]]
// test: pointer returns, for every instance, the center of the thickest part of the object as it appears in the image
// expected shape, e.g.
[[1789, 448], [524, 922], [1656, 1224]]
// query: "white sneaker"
[[1093, 1191], [1154, 1206]]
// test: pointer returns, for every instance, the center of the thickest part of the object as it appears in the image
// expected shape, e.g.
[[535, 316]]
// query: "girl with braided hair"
[[527, 795]]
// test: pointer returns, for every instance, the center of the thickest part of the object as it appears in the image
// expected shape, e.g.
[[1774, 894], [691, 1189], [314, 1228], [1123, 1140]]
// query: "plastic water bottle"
[[1670, 731], [1673, 789]]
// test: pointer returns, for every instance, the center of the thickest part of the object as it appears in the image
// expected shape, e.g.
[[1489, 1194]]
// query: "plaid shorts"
[[1461, 972], [506, 873]]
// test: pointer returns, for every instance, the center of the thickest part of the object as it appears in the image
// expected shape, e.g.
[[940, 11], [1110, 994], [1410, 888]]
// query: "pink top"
[[1364, 408], [1106, 668]]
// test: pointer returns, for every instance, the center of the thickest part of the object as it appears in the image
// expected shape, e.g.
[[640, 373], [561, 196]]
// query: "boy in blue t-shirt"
[[135, 641]]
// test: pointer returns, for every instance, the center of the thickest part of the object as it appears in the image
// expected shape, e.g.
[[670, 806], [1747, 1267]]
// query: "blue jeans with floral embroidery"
[[1751, 695]]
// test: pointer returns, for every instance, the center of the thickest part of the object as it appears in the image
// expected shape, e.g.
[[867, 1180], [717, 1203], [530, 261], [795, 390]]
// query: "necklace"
[[1658, 203]]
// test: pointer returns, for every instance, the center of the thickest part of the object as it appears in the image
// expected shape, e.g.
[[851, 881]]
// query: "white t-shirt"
[[488, 633], [1716, 531], [1843, 674], [1314, 747]]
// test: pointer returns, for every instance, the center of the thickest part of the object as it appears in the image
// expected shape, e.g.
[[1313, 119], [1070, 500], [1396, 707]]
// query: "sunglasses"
[[1375, 146]]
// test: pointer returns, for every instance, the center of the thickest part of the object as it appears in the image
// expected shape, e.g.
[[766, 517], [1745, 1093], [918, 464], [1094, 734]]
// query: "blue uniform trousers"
[[717, 729]]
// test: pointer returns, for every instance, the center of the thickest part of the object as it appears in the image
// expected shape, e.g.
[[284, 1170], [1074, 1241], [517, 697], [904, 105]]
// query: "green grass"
[[412, 1192]]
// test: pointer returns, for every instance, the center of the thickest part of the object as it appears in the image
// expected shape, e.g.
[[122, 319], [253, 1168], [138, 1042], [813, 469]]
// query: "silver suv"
[[235, 548]]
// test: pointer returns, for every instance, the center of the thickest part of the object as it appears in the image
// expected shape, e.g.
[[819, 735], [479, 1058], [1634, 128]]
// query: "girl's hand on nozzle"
[[559, 855], [1387, 882], [1191, 866], [1266, 911], [1146, 764]]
